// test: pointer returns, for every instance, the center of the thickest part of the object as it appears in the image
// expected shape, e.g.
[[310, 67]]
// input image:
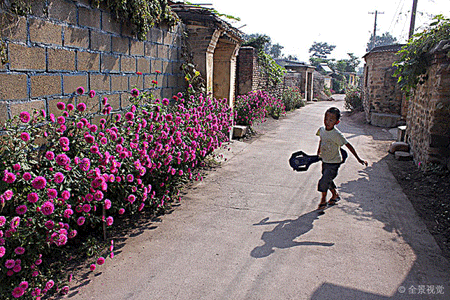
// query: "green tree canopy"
[[383, 40], [321, 50]]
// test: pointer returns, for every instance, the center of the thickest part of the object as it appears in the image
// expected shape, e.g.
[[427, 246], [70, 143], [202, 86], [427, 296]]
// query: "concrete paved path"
[[250, 230]]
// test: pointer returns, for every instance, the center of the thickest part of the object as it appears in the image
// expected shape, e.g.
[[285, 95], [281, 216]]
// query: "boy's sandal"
[[322, 206], [332, 202]]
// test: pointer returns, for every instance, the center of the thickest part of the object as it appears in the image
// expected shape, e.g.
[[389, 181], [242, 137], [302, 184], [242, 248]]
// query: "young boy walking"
[[331, 141]]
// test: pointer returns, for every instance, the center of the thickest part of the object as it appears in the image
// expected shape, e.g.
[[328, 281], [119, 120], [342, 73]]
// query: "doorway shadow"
[[284, 234]]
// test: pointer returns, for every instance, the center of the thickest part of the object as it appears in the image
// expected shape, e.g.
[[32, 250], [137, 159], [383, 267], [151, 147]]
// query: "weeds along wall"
[[64, 44]]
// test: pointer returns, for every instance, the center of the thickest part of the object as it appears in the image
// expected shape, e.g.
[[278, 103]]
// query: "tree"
[[383, 40], [321, 50], [258, 41], [275, 50]]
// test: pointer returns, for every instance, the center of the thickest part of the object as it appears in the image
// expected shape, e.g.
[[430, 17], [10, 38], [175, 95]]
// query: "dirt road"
[[249, 230]]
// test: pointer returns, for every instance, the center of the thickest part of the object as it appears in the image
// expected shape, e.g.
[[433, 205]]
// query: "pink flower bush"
[[62, 189], [256, 106]]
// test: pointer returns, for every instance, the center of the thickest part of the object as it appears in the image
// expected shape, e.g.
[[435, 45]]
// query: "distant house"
[[384, 103], [303, 74]]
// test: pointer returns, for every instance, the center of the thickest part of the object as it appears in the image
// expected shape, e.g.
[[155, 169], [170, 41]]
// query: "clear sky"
[[347, 24]]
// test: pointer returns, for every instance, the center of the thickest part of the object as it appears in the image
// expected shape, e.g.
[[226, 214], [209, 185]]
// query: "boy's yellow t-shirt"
[[330, 145]]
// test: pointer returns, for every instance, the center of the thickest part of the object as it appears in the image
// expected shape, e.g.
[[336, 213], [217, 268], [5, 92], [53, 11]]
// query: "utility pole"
[[413, 19], [375, 27]]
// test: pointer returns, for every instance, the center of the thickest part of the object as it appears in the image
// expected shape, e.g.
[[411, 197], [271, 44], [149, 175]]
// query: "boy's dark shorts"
[[329, 172]]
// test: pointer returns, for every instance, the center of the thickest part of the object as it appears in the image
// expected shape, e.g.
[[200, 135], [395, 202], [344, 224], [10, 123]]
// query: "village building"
[[214, 45]]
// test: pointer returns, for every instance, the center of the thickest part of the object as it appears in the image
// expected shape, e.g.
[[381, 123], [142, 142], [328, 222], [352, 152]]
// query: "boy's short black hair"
[[335, 111]]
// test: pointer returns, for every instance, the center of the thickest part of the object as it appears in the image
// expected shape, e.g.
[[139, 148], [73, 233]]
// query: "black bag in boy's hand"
[[300, 161]]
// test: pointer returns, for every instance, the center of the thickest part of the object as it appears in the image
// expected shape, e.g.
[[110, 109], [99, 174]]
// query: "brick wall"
[[428, 125], [76, 45]]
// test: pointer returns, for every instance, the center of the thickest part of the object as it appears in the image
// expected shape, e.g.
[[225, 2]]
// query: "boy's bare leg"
[[335, 195], [323, 201]]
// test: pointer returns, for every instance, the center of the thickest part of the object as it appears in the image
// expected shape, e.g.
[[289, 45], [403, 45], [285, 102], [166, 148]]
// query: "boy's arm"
[[353, 151], [318, 150]]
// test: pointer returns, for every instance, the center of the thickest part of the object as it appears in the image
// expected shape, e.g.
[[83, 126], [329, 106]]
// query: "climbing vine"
[[141, 14], [413, 63], [274, 72]]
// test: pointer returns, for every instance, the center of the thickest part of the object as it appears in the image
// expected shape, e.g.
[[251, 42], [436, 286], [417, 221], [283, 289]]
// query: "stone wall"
[[428, 121], [381, 94], [76, 45]]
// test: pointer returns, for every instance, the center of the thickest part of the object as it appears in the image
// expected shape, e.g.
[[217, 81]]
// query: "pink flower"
[[68, 213], [2, 251], [109, 221], [92, 267], [60, 105], [50, 155], [16, 167], [36, 292], [9, 177], [100, 261], [130, 178], [24, 285], [15, 222], [131, 198], [39, 182], [64, 290], [65, 195], [134, 92], [21, 209], [85, 164], [62, 159], [2, 221], [81, 107], [61, 120], [52, 193], [58, 177], [18, 292], [47, 208], [49, 224], [64, 141], [107, 204], [129, 116], [32, 197], [62, 240], [49, 284], [26, 176], [24, 136], [91, 93], [19, 250], [10, 263], [24, 117], [80, 90], [8, 194], [89, 138], [121, 211], [93, 128], [98, 195], [70, 107], [81, 221], [86, 208]]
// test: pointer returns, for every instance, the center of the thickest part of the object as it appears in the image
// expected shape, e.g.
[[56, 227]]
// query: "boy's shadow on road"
[[284, 234]]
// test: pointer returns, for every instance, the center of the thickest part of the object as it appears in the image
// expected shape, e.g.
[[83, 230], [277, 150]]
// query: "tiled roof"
[[387, 48]]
